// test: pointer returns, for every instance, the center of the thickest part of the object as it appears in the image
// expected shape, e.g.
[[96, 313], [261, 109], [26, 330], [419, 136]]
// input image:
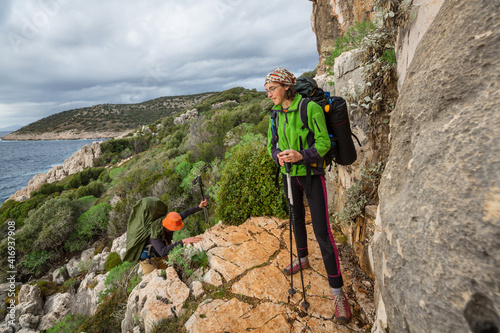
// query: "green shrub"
[[94, 189], [35, 262], [47, 288], [115, 173], [91, 224], [184, 168], [83, 177], [113, 260], [360, 194], [48, 227], [50, 188], [88, 200], [349, 41], [94, 221], [18, 211], [70, 284], [247, 185], [85, 265], [68, 324], [117, 279], [177, 259]]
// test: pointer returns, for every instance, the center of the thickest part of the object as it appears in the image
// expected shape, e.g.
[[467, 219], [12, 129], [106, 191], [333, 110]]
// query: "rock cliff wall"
[[331, 18], [435, 251], [439, 221]]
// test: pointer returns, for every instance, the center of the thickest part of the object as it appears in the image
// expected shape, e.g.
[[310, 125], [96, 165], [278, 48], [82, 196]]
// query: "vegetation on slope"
[[113, 117], [223, 145]]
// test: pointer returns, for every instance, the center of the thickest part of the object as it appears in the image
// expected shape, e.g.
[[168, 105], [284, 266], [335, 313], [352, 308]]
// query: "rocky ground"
[[250, 258], [242, 288]]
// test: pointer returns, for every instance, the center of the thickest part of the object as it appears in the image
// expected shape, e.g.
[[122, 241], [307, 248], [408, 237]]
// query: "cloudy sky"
[[58, 55]]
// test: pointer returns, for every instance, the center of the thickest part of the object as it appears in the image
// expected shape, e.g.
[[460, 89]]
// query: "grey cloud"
[[78, 53]]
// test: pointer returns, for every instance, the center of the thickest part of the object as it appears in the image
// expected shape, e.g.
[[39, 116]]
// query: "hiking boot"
[[342, 309], [289, 270]]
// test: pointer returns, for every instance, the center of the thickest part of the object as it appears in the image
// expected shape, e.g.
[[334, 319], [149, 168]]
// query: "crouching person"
[[150, 230]]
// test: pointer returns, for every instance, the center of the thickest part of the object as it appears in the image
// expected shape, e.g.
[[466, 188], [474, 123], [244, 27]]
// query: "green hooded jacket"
[[145, 222], [292, 135]]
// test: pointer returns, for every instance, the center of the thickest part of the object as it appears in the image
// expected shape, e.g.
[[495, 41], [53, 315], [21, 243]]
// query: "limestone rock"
[[87, 254], [85, 301], [348, 73], [439, 217], [409, 37], [29, 320], [56, 308], [155, 299], [177, 291], [26, 330], [59, 275], [72, 267], [331, 19], [197, 289], [29, 293], [30, 301], [264, 283], [214, 278], [214, 316], [120, 245]]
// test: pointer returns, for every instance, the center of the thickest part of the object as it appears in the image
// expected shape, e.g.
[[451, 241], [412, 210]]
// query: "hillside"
[[104, 120]]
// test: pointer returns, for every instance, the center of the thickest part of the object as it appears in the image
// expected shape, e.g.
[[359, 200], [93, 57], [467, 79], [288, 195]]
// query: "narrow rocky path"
[[247, 260]]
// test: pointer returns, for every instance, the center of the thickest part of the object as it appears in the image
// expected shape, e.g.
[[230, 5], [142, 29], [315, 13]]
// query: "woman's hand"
[[289, 156], [203, 203], [191, 240]]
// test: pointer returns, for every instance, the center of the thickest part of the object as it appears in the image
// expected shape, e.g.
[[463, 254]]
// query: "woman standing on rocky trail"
[[287, 143]]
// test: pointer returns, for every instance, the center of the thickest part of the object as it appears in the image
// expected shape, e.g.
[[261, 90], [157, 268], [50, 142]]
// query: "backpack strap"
[[274, 123], [303, 113]]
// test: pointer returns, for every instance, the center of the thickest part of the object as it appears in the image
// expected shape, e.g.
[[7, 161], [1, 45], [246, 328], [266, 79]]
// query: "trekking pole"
[[304, 304], [198, 180]]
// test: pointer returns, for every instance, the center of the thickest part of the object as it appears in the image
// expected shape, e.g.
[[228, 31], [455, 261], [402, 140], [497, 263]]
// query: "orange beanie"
[[173, 221]]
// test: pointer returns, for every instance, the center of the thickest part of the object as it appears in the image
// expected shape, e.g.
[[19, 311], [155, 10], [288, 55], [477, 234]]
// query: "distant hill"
[[104, 120]]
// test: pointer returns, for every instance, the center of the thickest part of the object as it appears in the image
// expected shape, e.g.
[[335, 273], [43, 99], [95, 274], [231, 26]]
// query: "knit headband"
[[282, 76]]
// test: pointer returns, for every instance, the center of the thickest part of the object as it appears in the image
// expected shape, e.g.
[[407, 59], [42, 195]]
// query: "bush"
[[18, 211], [247, 185], [113, 260], [68, 324], [187, 259], [88, 200], [93, 222], [363, 192], [48, 227], [94, 189], [349, 41], [117, 279], [35, 262], [50, 188]]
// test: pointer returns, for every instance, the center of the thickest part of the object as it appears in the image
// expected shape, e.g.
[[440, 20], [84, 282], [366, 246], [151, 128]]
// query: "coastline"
[[67, 135], [78, 161]]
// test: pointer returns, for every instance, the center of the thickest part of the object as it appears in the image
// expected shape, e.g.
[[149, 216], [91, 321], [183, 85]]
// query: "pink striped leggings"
[[318, 206]]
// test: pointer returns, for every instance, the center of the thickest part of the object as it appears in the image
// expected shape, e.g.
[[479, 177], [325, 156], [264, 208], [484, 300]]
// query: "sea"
[[21, 160]]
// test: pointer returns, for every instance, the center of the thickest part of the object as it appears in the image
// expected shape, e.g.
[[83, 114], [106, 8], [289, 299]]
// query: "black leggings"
[[320, 221]]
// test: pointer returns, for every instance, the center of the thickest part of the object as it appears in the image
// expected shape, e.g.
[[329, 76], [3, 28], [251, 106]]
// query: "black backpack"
[[342, 149]]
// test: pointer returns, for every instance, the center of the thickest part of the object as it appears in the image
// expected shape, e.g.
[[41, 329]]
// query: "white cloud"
[[62, 54]]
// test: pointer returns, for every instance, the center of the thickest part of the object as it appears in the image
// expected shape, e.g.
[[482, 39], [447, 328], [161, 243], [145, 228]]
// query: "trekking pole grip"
[[288, 167]]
